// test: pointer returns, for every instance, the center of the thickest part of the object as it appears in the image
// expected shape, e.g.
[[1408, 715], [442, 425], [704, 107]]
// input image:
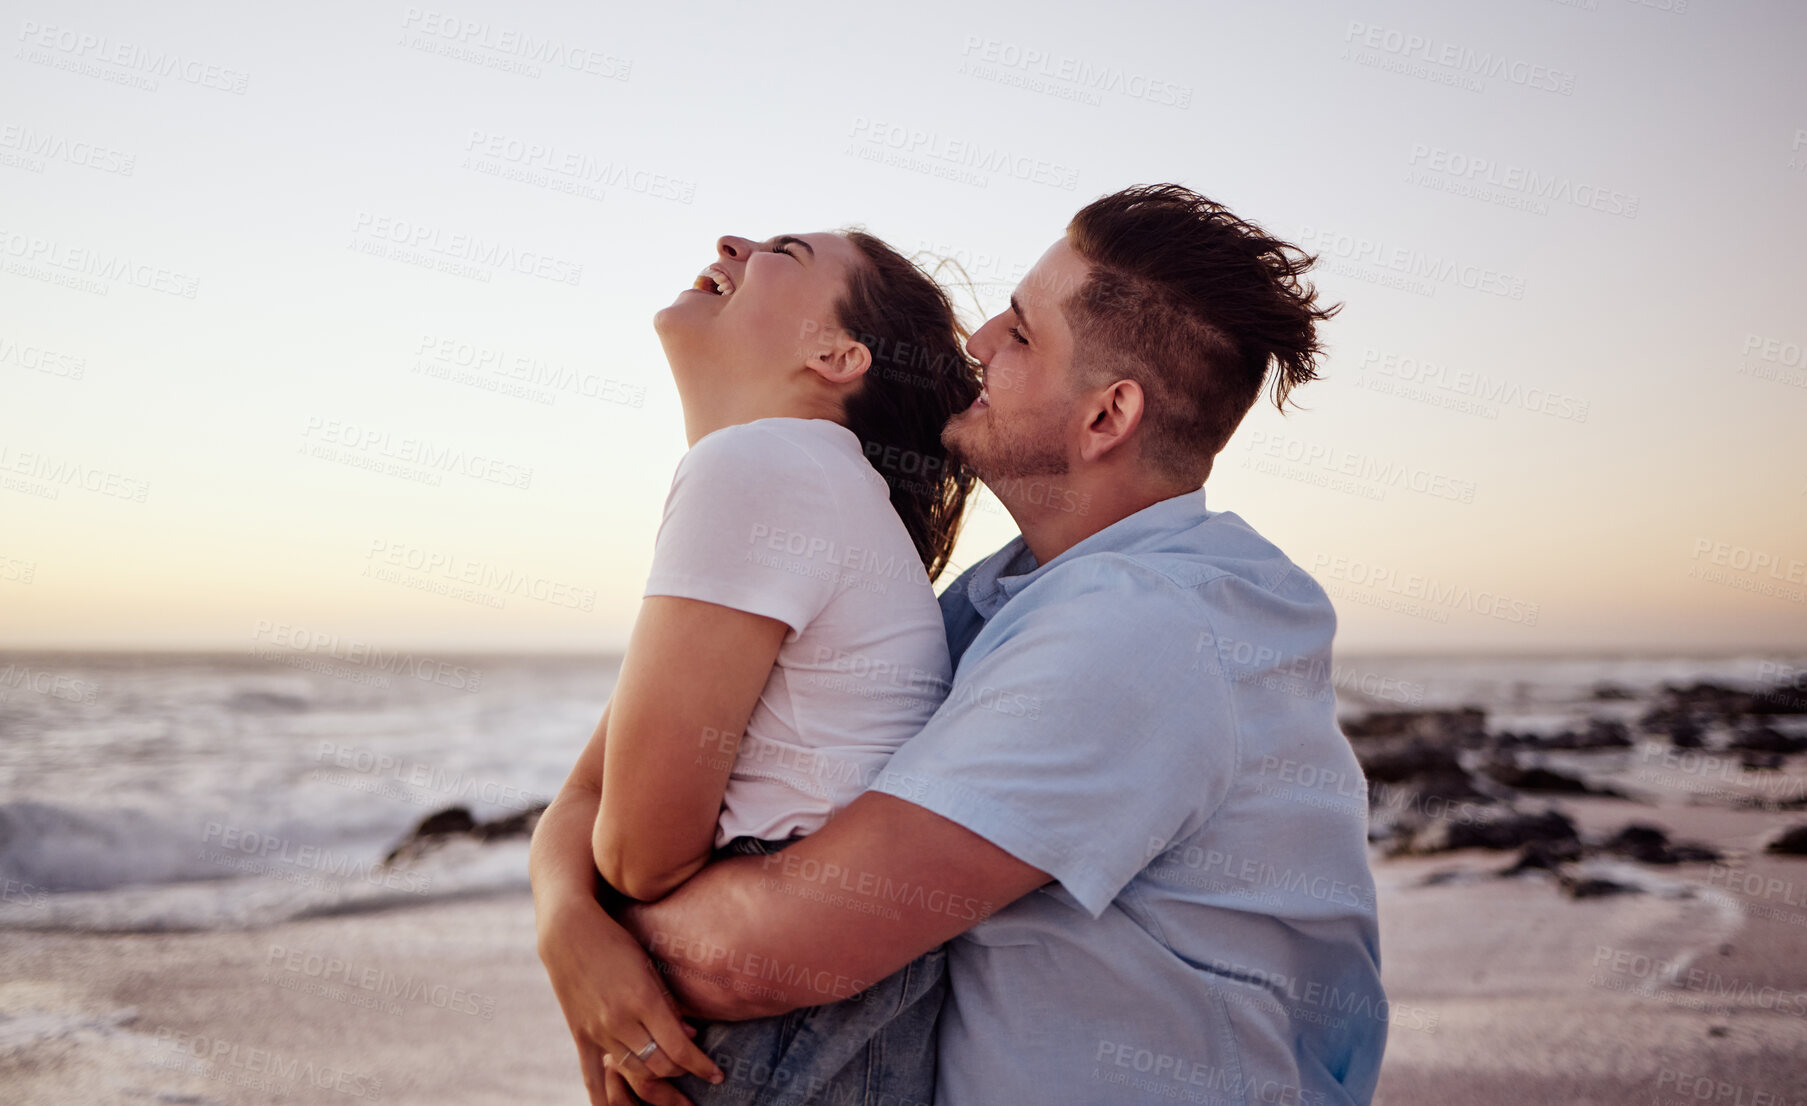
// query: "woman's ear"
[[843, 361]]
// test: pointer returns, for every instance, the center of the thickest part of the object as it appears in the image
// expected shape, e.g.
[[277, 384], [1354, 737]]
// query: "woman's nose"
[[735, 248]]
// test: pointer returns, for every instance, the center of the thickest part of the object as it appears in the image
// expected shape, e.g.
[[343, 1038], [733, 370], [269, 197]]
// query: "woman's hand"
[[614, 1003]]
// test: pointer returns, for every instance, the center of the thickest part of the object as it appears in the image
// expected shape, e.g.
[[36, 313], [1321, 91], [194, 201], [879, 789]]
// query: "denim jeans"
[[876, 1048]]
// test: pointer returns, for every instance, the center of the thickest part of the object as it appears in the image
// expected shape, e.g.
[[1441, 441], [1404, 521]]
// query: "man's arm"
[[882, 883]]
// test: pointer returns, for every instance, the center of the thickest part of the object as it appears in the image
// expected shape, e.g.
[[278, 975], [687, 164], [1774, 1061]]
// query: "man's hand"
[[882, 883]]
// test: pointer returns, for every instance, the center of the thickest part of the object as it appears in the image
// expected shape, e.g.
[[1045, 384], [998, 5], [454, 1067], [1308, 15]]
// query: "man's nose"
[[735, 248], [980, 345]]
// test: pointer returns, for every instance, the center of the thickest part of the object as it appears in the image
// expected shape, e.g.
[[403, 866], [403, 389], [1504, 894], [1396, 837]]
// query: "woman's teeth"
[[713, 283]]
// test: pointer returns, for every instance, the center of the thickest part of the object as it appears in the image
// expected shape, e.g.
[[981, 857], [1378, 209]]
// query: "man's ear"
[[1115, 414], [841, 361]]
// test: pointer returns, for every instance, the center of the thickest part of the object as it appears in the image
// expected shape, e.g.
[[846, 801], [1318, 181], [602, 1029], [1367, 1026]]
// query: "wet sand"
[[1505, 990]]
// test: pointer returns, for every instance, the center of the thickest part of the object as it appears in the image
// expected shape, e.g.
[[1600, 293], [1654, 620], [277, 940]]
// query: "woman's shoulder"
[[814, 451]]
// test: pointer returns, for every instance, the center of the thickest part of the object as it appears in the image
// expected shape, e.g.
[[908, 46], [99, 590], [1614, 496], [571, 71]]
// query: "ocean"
[[163, 793]]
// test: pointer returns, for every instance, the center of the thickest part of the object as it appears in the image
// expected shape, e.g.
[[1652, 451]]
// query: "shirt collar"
[[1011, 569]]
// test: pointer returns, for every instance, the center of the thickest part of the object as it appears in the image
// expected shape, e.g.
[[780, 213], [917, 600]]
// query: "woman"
[[789, 641]]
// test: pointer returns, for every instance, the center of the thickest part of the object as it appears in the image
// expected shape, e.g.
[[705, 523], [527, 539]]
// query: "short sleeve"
[[749, 524], [1082, 733]]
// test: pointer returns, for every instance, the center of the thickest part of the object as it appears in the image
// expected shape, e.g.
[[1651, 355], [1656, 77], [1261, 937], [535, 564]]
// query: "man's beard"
[[1031, 447]]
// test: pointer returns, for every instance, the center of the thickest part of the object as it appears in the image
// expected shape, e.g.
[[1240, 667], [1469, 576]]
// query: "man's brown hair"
[[1193, 304]]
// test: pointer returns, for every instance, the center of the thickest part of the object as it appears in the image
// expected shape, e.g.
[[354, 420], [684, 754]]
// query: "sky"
[[335, 320]]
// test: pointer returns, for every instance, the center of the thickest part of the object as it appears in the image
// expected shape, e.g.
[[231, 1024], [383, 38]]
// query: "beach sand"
[[442, 1003], [1503, 991]]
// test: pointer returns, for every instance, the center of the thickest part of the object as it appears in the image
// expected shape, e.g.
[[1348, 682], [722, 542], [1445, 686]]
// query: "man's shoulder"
[[1195, 569]]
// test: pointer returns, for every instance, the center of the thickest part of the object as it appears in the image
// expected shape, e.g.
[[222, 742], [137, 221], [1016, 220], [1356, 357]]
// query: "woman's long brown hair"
[[919, 378]]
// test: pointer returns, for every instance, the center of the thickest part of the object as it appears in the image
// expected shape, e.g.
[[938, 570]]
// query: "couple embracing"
[[1040, 840]]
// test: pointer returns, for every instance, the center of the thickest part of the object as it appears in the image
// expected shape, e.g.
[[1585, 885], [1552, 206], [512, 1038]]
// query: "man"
[[1123, 817]]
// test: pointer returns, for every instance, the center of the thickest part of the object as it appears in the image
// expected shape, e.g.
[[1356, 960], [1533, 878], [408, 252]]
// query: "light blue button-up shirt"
[[1149, 718]]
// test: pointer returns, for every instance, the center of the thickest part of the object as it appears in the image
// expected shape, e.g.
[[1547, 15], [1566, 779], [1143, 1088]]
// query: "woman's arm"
[[613, 999], [689, 683]]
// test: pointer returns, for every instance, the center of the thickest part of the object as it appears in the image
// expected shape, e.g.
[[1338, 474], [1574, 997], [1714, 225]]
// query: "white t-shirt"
[[785, 518]]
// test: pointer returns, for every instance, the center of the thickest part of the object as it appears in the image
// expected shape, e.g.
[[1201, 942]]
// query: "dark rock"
[[1482, 827], [1538, 778], [518, 824], [1767, 739], [1759, 762], [1610, 692], [1788, 698], [1679, 727], [1650, 844], [1593, 887], [455, 821], [267, 702], [1545, 856], [1789, 842], [1462, 726]]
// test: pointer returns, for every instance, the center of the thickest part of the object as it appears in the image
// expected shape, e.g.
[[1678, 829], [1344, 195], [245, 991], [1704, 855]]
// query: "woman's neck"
[[708, 410]]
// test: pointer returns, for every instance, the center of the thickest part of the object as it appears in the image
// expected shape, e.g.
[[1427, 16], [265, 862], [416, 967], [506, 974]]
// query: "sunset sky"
[[259, 266]]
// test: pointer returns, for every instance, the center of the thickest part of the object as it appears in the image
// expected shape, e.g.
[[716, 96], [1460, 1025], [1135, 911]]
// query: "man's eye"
[[783, 249], [1018, 335]]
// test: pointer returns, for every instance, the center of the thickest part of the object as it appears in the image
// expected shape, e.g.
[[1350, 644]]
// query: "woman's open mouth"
[[714, 281]]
